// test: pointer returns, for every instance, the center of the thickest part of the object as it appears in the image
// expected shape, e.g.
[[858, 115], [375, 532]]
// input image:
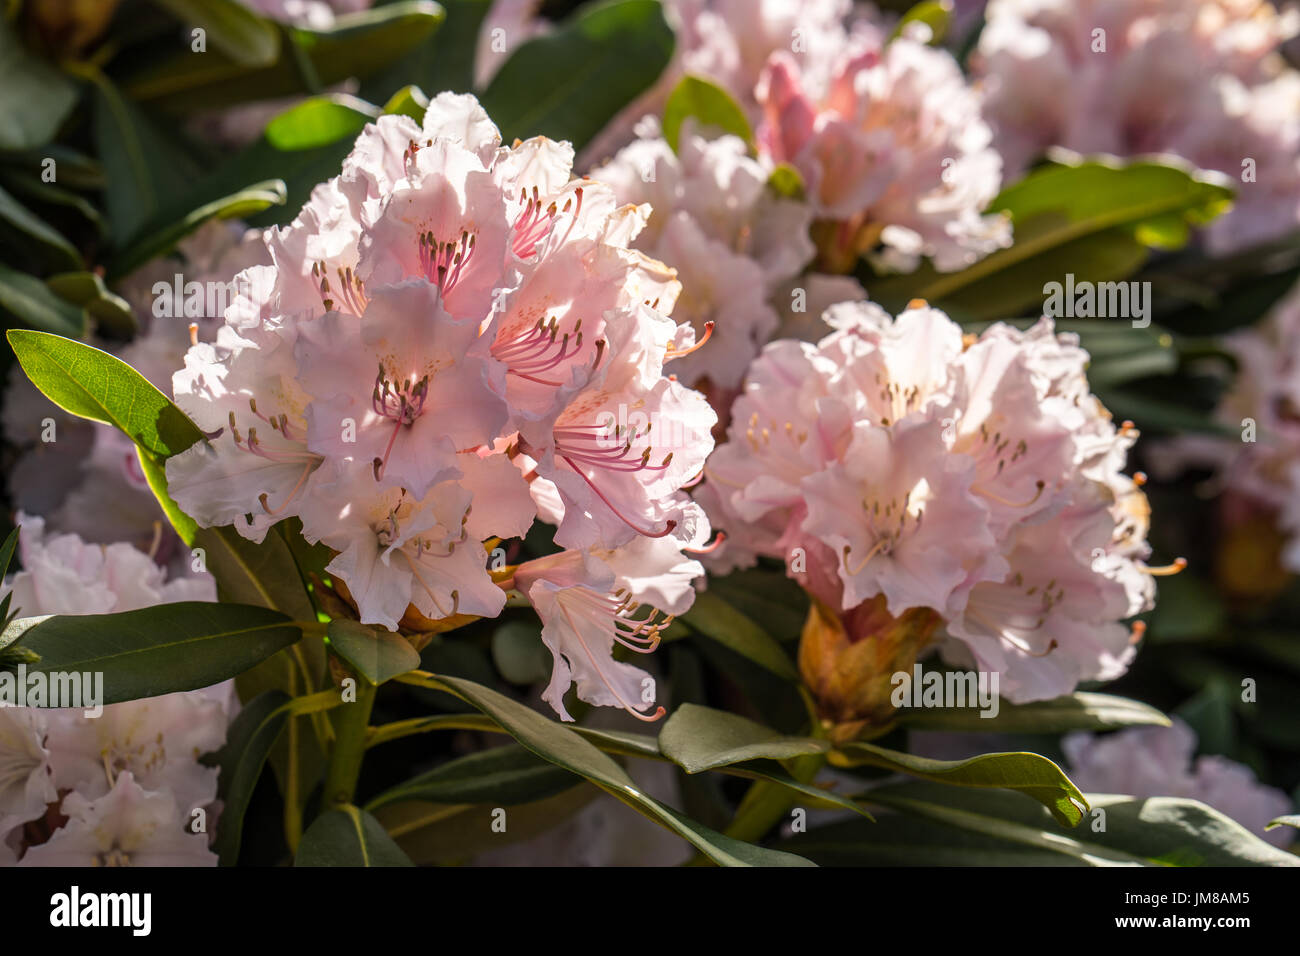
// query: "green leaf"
[[155, 475], [701, 738], [90, 383], [786, 181], [443, 61], [519, 654], [231, 27], [709, 105], [30, 302], [567, 749], [822, 797], [1119, 830], [348, 836], [248, 742], [1030, 774], [161, 649], [1077, 711], [1091, 218], [1290, 820], [51, 244], [378, 654], [144, 167], [594, 63], [504, 776], [319, 121], [111, 312], [261, 573], [355, 45], [35, 98], [935, 14], [449, 834], [160, 236], [408, 101], [713, 617]]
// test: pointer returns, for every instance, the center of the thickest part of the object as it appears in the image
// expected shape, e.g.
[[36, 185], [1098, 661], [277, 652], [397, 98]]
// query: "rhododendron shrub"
[[644, 432]]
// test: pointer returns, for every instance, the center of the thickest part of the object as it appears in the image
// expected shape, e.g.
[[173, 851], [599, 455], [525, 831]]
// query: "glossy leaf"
[[709, 105], [161, 649], [378, 654], [701, 738], [90, 383], [1030, 774], [566, 749]]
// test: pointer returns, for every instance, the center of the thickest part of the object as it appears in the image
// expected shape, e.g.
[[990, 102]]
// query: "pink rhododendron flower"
[[453, 338], [1201, 80], [893, 152], [976, 477]]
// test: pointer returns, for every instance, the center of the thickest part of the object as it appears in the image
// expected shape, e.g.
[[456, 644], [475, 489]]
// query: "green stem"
[[351, 727]]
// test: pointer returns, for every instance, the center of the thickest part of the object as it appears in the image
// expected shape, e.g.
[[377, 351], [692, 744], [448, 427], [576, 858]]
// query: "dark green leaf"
[[503, 776], [233, 28], [52, 246], [713, 617], [378, 654], [1077, 711], [701, 738], [248, 742], [567, 749], [159, 237], [35, 98], [30, 302], [111, 312], [1030, 774], [355, 45], [594, 64], [161, 649], [348, 836]]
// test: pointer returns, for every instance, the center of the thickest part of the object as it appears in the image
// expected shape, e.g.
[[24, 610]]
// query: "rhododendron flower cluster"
[[1258, 466], [897, 465], [1201, 80], [453, 339], [894, 152], [121, 788]]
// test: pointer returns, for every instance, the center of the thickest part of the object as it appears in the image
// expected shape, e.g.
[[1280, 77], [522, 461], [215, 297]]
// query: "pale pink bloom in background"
[[894, 150], [128, 826], [1201, 80], [137, 761], [1157, 762]]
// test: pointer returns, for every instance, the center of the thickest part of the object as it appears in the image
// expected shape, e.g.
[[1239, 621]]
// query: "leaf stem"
[[351, 728]]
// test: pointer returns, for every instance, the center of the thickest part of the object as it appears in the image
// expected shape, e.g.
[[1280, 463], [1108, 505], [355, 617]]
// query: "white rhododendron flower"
[[451, 331], [1158, 762], [1201, 80], [127, 826], [974, 477]]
